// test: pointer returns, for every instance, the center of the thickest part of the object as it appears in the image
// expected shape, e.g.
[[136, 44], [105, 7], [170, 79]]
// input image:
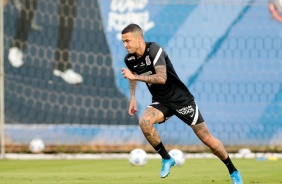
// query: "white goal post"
[[2, 118]]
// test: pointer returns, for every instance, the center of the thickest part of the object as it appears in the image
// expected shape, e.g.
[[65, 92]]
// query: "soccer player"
[[274, 12], [67, 13], [148, 62]]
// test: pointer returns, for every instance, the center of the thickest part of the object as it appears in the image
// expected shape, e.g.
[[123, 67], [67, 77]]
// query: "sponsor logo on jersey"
[[148, 61], [187, 110], [131, 58], [141, 64]]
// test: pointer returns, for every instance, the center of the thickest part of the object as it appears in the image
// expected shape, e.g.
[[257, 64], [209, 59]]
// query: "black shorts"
[[189, 113]]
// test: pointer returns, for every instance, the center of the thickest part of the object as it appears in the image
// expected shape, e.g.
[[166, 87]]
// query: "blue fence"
[[227, 53]]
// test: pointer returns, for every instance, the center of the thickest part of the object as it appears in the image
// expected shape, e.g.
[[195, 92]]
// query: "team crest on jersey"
[[148, 61]]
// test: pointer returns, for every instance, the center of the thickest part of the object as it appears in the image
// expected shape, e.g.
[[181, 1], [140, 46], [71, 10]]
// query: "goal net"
[[63, 82]]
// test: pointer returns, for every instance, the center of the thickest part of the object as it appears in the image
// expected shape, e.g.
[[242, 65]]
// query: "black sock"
[[229, 165], [162, 151]]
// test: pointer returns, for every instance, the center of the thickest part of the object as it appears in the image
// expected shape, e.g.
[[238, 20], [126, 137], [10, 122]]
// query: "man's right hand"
[[132, 107]]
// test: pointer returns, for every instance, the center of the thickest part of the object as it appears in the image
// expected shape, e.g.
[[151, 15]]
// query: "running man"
[[148, 62]]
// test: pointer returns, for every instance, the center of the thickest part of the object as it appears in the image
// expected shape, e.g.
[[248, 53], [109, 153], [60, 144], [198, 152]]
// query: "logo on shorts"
[[187, 110]]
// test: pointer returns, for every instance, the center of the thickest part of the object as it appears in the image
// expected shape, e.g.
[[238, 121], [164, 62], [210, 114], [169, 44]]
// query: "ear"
[[139, 38]]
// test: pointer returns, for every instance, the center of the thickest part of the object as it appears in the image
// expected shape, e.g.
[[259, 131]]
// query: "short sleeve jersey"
[[173, 91]]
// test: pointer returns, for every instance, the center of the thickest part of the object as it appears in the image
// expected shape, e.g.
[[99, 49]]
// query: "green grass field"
[[194, 171]]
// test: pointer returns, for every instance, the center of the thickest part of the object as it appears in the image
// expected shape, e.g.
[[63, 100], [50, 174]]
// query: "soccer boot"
[[236, 177], [166, 165], [69, 76]]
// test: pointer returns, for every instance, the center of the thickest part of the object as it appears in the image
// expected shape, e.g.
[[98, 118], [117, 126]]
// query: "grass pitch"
[[194, 171]]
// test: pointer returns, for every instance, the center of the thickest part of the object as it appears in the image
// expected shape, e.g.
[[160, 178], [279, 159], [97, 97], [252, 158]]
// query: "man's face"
[[131, 42]]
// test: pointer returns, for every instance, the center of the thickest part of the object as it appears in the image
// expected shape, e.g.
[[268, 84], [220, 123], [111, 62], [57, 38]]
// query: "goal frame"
[[2, 115]]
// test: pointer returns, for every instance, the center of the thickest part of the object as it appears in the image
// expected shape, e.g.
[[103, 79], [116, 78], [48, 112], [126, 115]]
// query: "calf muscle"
[[150, 117], [214, 144]]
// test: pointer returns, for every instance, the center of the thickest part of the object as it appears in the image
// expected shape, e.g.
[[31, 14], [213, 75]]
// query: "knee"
[[146, 121]]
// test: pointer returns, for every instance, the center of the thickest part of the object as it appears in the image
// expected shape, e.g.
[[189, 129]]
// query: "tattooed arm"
[[132, 105], [132, 84], [274, 12], [158, 78]]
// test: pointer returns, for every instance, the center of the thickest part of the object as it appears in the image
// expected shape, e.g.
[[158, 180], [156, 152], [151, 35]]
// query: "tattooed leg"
[[217, 148], [150, 117]]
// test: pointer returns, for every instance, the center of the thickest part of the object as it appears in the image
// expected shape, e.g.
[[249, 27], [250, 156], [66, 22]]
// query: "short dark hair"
[[132, 28]]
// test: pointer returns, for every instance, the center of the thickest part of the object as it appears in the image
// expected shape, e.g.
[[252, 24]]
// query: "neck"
[[141, 50]]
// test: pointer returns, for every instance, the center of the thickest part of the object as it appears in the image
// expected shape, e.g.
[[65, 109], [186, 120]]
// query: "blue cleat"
[[236, 178], [166, 165]]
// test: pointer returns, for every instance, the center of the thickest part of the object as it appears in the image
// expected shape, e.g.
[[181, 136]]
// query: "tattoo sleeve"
[[158, 78], [132, 85]]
